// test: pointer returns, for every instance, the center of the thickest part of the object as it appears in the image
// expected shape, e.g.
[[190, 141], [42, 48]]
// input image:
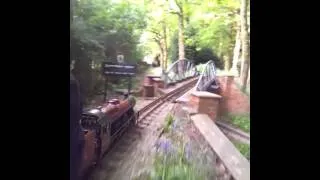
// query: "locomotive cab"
[[102, 126], [92, 145]]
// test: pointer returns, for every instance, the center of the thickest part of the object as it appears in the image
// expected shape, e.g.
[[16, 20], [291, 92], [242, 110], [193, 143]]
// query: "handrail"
[[179, 70], [207, 73]]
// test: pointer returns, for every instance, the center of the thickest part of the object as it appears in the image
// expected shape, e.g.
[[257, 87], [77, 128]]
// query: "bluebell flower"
[[165, 146]]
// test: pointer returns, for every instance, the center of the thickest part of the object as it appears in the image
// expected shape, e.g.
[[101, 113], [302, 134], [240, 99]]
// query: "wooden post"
[[129, 85], [105, 89]]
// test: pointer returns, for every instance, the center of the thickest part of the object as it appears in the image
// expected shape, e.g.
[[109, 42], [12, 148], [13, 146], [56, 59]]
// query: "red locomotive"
[[102, 126]]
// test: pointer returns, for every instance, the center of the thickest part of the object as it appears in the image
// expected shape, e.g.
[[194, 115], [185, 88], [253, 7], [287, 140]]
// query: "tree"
[[159, 36], [216, 24], [245, 44], [236, 51], [177, 9], [157, 25], [193, 29], [100, 29]]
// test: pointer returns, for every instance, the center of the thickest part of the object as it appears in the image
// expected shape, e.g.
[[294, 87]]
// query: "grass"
[[243, 148], [173, 162], [168, 123], [176, 159], [241, 121]]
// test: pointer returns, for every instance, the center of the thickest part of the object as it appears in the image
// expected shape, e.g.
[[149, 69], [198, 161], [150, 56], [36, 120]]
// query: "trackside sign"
[[117, 69]]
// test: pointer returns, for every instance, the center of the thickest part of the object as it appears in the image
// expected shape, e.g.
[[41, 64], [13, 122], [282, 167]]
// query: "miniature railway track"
[[131, 151], [160, 100], [233, 132]]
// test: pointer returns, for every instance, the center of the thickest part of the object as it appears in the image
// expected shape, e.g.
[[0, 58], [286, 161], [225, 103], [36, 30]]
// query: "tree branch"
[[157, 34], [154, 31], [175, 12]]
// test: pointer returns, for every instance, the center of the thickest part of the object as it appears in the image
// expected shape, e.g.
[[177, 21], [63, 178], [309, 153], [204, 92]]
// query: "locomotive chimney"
[[114, 101]]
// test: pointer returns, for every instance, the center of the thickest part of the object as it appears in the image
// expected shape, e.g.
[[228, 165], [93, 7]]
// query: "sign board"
[[117, 69], [120, 59]]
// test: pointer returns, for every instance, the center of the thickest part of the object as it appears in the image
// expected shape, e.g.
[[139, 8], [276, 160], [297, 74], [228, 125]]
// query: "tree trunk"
[[236, 51], [165, 46], [227, 62], [161, 57], [245, 45], [181, 38], [160, 44]]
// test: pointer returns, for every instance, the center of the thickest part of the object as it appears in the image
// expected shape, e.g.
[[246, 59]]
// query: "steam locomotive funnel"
[[114, 101]]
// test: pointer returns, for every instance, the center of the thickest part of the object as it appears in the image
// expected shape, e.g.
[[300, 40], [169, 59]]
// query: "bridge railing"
[[207, 76], [179, 71]]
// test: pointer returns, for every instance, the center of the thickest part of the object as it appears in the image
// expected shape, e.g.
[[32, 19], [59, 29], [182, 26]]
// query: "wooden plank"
[[234, 161]]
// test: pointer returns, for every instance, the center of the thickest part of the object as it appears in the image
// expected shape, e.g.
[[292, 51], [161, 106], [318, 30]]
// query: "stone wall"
[[233, 100]]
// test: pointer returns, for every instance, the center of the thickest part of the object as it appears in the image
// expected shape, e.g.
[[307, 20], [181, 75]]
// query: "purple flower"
[[166, 146]]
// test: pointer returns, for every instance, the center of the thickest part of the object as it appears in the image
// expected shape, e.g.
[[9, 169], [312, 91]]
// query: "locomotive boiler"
[[102, 126]]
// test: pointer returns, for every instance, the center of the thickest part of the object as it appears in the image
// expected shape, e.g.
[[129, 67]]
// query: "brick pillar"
[[148, 90], [205, 103], [158, 83]]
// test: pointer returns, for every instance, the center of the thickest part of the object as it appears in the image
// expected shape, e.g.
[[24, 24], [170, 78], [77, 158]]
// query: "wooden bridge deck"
[[236, 163]]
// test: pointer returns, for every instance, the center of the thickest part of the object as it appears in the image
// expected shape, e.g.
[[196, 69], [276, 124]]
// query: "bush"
[[206, 54], [168, 122], [192, 50], [243, 148], [241, 121]]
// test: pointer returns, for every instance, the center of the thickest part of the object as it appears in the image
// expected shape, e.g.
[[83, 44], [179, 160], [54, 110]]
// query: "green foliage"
[[193, 51], [174, 164], [173, 47], [243, 148], [168, 122], [173, 169], [100, 30], [241, 121], [214, 24], [206, 54]]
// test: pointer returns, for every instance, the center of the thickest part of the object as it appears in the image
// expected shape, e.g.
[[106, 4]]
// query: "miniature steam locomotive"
[[102, 126]]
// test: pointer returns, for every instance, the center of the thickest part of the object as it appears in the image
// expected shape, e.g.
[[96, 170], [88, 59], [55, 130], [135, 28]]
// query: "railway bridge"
[[184, 69]]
